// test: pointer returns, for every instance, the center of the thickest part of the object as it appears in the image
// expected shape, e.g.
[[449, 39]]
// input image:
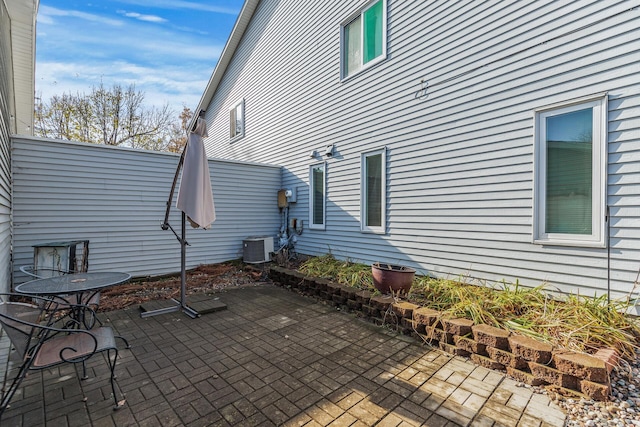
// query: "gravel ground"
[[622, 410]]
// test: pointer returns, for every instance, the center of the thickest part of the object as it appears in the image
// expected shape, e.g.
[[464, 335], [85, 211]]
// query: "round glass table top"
[[72, 283]]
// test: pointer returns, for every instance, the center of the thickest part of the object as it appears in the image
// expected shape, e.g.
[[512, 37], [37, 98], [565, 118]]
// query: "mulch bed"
[[203, 279]]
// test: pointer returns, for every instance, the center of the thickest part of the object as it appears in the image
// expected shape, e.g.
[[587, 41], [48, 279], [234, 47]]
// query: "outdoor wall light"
[[313, 154], [329, 150]]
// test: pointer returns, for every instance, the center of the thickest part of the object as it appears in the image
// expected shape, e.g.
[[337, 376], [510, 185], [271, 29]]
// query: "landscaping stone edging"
[[527, 360]]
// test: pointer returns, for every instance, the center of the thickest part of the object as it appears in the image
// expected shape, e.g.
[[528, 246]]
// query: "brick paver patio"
[[276, 358]]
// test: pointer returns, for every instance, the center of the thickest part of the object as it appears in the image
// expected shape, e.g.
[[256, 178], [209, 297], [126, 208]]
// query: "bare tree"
[[179, 131], [110, 116]]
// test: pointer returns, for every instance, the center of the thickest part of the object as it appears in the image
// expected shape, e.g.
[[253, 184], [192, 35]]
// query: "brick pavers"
[[276, 358]]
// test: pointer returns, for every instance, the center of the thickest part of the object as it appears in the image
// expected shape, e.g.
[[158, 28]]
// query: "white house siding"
[[116, 198], [6, 95], [460, 160], [22, 40]]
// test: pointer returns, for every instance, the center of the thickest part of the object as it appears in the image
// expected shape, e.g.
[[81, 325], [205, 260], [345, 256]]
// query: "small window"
[[236, 120], [373, 192], [317, 196], [570, 173], [364, 38]]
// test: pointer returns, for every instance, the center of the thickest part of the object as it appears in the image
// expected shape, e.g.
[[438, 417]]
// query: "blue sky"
[[167, 48]]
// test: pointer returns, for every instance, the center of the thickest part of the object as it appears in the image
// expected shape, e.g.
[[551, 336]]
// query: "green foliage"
[[574, 322]]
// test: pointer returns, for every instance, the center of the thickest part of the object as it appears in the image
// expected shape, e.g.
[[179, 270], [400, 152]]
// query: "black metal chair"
[[42, 346]]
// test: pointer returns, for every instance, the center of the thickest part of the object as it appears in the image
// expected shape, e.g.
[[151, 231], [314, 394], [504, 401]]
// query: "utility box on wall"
[[56, 258], [257, 249]]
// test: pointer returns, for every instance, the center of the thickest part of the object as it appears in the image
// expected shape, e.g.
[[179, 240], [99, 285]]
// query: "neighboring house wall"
[[116, 198], [6, 98], [460, 153]]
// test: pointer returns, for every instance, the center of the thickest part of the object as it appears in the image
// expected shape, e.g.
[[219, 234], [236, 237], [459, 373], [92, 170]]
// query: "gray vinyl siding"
[[116, 198], [460, 160], [6, 96]]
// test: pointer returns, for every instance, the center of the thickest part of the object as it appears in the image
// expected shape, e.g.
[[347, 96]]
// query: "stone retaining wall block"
[[553, 376], [581, 365], [595, 391], [470, 345], [609, 356], [530, 349], [524, 377], [404, 309], [486, 362], [382, 302], [460, 327], [426, 316], [491, 336], [507, 359], [452, 349], [363, 297]]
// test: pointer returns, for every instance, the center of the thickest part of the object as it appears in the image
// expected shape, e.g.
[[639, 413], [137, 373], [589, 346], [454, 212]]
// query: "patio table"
[[73, 288]]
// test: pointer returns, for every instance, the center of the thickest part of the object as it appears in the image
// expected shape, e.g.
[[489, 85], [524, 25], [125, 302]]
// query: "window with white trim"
[[317, 196], [236, 120], [373, 188], [570, 173], [364, 38]]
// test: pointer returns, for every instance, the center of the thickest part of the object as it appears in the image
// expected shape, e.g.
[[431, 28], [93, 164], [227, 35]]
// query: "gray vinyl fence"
[[116, 198]]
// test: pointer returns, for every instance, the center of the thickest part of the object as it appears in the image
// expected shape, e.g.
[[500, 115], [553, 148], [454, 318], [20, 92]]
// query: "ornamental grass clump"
[[568, 321], [344, 272]]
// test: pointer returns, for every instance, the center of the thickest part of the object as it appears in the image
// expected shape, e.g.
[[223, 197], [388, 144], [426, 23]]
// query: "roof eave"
[[244, 18]]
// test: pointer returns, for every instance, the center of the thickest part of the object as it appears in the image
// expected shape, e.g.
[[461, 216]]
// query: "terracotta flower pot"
[[392, 278]]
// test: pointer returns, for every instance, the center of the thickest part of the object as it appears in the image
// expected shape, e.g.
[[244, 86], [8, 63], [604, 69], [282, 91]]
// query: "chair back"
[[12, 317], [41, 273]]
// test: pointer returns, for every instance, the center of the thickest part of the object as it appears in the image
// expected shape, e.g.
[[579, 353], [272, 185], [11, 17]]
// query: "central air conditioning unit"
[[257, 249]]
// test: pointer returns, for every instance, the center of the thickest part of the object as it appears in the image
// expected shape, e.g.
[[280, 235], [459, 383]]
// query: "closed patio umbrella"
[[194, 196], [195, 200]]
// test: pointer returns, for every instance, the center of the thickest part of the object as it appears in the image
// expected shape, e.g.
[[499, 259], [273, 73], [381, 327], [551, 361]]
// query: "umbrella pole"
[[182, 304], [183, 264], [183, 271]]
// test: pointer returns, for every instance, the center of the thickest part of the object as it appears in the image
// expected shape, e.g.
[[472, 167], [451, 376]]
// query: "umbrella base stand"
[[182, 303], [175, 306]]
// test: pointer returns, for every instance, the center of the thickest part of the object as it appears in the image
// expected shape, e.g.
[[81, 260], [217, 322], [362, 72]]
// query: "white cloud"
[[173, 85], [181, 4], [46, 14], [141, 17], [170, 63]]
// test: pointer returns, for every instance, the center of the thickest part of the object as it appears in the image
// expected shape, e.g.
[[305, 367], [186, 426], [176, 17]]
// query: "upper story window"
[[236, 120], [364, 38], [570, 173], [373, 190]]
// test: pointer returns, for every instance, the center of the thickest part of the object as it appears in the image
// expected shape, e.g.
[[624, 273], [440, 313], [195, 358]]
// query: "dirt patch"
[[203, 279]]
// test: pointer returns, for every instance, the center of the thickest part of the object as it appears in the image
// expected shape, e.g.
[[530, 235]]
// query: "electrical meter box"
[[56, 258]]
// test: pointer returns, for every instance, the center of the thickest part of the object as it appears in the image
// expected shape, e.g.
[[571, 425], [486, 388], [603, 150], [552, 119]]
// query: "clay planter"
[[392, 278]]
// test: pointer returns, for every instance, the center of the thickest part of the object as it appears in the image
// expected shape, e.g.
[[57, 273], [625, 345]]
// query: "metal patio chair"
[[41, 346]]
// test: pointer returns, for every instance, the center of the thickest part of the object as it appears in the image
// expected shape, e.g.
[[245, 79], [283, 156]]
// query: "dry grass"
[[574, 322]]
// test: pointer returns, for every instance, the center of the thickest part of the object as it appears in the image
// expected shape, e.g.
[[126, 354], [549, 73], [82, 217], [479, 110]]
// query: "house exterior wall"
[[6, 97], [23, 41], [460, 154], [116, 198]]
